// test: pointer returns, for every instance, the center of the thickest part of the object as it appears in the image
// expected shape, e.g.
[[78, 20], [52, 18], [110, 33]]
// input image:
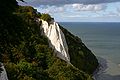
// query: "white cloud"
[[50, 9], [70, 8], [118, 9], [75, 16], [90, 7], [79, 11]]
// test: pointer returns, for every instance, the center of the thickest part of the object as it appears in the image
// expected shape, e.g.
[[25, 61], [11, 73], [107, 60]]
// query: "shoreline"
[[106, 70], [101, 68]]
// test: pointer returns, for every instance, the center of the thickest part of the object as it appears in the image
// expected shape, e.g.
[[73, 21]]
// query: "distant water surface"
[[103, 39]]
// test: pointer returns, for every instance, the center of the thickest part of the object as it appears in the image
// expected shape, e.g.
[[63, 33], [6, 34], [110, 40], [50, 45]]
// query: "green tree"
[[46, 17]]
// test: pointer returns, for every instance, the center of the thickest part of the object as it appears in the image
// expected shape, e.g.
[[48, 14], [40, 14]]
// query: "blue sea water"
[[103, 39]]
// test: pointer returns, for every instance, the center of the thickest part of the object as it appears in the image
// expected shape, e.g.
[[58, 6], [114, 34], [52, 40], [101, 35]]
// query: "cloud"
[[112, 14], [51, 9], [62, 2], [71, 8], [65, 10], [75, 16], [118, 9], [90, 7]]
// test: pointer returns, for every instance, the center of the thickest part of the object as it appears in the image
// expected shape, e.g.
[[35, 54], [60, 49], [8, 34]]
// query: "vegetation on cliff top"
[[26, 53]]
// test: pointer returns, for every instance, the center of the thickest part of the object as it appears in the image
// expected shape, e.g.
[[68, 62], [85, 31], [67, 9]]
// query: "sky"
[[78, 10]]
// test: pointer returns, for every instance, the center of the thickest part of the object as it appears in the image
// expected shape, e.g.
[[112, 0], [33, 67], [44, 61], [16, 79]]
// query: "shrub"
[[46, 17]]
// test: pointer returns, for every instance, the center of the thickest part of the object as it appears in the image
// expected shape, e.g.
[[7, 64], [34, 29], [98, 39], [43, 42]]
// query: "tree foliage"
[[46, 17]]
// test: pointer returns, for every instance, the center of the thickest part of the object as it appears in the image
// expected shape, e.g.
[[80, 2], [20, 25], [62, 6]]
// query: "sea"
[[103, 39]]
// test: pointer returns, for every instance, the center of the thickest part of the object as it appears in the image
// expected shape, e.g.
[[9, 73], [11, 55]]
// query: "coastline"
[[106, 70], [101, 68]]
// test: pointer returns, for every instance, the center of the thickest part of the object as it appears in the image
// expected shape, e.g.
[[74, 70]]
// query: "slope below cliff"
[[80, 56]]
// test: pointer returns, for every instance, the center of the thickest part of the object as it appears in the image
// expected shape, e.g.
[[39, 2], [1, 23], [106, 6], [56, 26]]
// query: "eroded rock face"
[[3, 75], [56, 39]]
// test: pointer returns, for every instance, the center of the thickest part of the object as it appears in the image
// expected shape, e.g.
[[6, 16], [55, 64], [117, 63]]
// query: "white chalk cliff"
[[3, 75], [56, 39]]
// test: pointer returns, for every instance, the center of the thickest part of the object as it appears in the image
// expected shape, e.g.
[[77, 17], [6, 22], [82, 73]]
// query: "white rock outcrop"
[[56, 38], [3, 75]]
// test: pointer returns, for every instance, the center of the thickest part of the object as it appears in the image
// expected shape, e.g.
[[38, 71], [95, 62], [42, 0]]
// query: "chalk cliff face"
[[3, 75], [56, 39]]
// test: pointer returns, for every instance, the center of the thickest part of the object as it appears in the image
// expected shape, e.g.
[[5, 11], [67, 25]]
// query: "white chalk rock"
[[57, 39], [3, 75]]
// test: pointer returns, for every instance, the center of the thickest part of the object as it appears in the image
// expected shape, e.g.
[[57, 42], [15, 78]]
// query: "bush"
[[46, 17]]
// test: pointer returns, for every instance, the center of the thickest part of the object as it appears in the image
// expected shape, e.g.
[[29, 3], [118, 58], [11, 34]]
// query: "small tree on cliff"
[[46, 17]]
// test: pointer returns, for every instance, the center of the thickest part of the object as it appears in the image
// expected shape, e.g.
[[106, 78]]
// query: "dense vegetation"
[[26, 54], [46, 17]]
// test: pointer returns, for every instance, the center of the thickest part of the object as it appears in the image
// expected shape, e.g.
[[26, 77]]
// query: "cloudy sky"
[[79, 10]]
